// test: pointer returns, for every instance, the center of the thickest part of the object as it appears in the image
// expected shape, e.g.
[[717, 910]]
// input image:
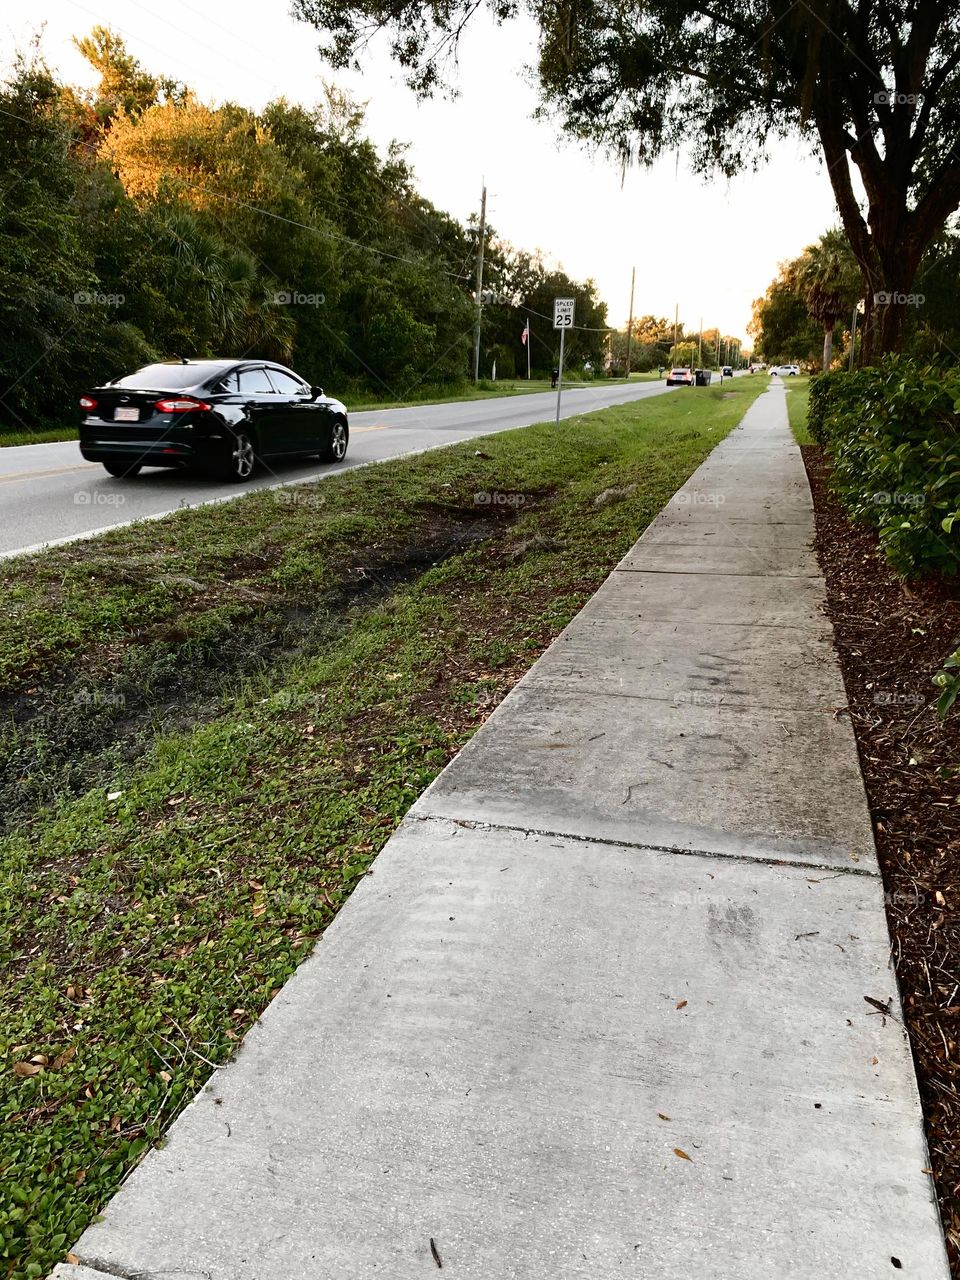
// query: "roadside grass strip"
[[798, 396]]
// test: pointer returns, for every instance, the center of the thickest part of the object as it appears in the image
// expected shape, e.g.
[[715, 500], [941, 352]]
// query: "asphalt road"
[[49, 494]]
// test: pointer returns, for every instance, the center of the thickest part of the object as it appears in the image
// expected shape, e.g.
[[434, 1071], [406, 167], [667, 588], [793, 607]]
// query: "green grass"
[[344, 639], [13, 436], [484, 390], [798, 393]]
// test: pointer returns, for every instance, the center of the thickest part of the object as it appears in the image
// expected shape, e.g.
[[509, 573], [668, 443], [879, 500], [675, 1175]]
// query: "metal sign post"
[[562, 320]]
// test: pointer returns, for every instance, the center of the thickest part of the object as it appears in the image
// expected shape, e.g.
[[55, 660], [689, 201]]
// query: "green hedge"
[[893, 436]]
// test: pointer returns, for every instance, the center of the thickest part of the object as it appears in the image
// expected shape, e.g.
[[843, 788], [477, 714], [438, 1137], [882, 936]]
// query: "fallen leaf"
[[882, 1005], [62, 1059], [72, 1259], [435, 1252], [680, 1004], [678, 1151], [662, 1116], [26, 1069]]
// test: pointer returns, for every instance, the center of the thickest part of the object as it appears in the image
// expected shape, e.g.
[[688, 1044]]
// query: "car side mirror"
[[317, 393]]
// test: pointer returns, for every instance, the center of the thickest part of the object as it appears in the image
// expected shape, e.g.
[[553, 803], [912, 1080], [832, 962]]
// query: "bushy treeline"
[[138, 222]]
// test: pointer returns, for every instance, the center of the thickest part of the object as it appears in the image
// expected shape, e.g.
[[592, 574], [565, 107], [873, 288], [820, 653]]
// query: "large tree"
[[872, 84]]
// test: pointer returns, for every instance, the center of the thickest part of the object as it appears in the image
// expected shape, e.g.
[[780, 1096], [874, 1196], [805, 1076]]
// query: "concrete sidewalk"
[[599, 1010]]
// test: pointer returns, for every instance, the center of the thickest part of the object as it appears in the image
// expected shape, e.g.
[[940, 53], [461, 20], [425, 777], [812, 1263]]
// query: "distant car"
[[784, 371], [220, 417], [680, 378], [757, 368], [726, 371]]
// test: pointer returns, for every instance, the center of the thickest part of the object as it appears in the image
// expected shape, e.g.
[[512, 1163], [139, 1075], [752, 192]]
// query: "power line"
[[326, 235]]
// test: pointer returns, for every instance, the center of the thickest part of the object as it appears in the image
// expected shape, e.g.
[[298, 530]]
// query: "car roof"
[[222, 363]]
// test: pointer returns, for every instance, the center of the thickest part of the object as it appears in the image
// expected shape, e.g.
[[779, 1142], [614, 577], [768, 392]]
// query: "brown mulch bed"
[[892, 637]]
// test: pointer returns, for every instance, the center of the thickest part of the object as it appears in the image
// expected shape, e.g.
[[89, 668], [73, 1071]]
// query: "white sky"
[[710, 246]]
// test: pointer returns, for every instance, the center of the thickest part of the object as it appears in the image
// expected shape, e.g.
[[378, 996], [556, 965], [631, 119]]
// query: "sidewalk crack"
[[770, 860]]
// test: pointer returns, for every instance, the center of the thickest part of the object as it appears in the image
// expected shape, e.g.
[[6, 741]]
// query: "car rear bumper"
[[151, 453]]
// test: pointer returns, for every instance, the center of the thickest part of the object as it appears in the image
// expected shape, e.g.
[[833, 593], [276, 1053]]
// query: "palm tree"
[[828, 279]]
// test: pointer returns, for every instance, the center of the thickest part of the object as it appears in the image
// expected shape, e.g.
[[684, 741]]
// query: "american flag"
[[525, 336]]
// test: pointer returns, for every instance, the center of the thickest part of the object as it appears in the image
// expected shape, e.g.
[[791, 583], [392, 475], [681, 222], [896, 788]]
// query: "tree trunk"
[[888, 244], [887, 307], [827, 348]]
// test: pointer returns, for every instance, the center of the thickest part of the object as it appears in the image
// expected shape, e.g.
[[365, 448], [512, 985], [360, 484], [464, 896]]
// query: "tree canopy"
[[137, 222], [873, 87]]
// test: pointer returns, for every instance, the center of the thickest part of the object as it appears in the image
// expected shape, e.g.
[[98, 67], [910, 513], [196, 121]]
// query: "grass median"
[[213, 723]]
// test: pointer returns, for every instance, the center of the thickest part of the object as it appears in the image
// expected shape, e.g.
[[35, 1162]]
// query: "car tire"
[[239, 459], [122, 470], [335, 449]]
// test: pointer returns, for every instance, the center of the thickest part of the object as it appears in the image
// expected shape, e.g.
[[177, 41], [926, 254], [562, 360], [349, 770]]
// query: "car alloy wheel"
[[338, 442]]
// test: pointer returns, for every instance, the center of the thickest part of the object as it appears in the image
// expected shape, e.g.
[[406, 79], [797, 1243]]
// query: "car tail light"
[[87, 402], [180, 405]]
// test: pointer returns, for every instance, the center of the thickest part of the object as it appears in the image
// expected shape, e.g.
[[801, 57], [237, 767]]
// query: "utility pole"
[[676, 313], [481, 238], [700, 356], [633, 276]]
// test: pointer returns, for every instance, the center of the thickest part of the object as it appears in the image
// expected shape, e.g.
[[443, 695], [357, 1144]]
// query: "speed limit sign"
[[563, 313], [562, 320]]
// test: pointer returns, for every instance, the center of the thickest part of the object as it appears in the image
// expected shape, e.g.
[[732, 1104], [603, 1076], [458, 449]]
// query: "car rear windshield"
[[170, 377]]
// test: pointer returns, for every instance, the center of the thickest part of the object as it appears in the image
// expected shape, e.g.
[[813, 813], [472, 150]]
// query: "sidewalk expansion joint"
[[806, 625], [716, 573], [769, 860], [562, 683]]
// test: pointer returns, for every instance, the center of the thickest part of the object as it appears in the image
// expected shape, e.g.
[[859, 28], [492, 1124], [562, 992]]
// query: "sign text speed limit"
[[563, 313]]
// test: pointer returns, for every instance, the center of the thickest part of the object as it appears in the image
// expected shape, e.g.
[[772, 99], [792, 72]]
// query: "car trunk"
[[126, 413]]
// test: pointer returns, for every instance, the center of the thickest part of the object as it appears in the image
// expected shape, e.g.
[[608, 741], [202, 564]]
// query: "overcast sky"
[[709, 246]]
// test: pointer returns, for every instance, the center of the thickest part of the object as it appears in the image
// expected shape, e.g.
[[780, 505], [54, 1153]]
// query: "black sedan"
[[217, 416]]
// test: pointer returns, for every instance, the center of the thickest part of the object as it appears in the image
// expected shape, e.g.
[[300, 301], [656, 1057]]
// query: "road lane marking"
[[55, 471], [382, 427]]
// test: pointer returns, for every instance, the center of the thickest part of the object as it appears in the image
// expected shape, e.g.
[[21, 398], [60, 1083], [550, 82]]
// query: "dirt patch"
[[891, 638], [69, 734]]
